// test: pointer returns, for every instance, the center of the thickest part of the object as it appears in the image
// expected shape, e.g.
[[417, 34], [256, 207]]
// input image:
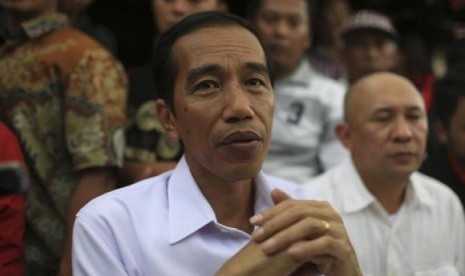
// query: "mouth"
[[241, 138], [277, 49], [404, 156]]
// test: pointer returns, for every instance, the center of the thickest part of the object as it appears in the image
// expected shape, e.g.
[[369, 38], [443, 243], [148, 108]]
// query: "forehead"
[[367, 35], [217, 45], [387, 93], [288, 7]]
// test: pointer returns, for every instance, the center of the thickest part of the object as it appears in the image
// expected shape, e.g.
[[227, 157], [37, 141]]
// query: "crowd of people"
[[300, 137]]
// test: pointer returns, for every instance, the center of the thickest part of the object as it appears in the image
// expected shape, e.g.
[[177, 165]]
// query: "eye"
[[295, 22], [255, 82], [415, 116], [269, 18], [206, 85], [382, 117]]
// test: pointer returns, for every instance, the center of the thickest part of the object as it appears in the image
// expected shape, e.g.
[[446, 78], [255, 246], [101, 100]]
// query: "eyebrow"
[[195, 73], [410, 108], [257, 67], [206, 69]]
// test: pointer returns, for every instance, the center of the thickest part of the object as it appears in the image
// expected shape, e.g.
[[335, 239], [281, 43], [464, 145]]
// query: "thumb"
[[279, 196]]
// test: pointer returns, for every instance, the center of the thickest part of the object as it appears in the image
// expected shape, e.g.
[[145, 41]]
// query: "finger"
[[286, 214], [279, 196], [308, 228], [305, 251], [321, 207]]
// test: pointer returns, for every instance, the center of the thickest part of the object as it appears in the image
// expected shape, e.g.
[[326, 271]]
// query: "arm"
[[91, 247], [92, 183], [309, 232]]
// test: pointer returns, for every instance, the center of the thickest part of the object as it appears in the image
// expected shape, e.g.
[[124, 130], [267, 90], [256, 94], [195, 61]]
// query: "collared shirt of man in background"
[[308, 104], [400, 221]]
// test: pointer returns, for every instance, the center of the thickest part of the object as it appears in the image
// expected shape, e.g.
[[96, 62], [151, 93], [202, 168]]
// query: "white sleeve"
[[460, 238], [92, 255]]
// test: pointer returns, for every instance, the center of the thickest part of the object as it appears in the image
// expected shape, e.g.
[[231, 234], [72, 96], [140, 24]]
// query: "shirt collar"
[[35, 27], [301, 76], [189, 210], [356, 196], [417, 194]]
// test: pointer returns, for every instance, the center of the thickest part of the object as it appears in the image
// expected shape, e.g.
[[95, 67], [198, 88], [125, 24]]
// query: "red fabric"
[[425, 84], [12, 211]]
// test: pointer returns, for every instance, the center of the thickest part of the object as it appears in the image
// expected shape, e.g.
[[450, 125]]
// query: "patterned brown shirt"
[[65, 96]]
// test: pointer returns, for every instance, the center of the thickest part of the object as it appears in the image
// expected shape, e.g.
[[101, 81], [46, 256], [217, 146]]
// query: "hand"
[[309, 231]]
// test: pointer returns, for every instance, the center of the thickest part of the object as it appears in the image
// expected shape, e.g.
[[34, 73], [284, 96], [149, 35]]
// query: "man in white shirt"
[[215, 213], [308, 104], [399, 221]]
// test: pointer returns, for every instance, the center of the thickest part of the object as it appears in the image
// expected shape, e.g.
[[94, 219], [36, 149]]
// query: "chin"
[[242, 172]]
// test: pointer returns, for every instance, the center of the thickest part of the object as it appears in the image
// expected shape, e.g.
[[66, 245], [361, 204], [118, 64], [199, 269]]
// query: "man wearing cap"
[[370, 45]]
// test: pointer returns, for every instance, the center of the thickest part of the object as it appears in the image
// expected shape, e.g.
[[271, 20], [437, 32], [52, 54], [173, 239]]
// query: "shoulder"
[[322, 185], [127, 202], [329, 85], [431, 184], [437, 191], [71, 48], [72, 34]]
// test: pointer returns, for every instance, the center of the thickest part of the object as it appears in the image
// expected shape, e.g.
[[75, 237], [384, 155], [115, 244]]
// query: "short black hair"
[[163, 65], [447, 93]]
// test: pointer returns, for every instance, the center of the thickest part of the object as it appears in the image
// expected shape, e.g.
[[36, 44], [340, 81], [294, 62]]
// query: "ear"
[[343, 134], [441, 132], [167, 119]]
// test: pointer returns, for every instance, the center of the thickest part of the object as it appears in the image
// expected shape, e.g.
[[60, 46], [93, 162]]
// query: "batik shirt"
[[65, 97]]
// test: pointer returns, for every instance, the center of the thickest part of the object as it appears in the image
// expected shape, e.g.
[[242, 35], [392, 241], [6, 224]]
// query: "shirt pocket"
[[447, 270]]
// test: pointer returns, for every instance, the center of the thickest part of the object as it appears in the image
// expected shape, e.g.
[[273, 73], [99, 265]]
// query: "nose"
[[402, 131], [281, 28], [372, 51], [180, 7], [237, 105]]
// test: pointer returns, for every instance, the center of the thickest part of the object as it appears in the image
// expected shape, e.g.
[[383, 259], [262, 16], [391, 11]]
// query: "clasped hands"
[[295, 237]]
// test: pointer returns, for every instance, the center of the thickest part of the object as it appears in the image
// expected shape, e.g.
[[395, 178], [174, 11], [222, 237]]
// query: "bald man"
[[399, 221]]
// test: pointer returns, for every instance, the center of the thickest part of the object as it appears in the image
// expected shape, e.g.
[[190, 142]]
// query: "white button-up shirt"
[[426, 236], [161, 226], [303, 143]]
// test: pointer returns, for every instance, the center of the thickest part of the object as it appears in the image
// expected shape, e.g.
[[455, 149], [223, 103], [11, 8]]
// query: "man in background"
[[370, 45], [149, 150], [399, 221], [308, 104], [64, 96], [447, 162]]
